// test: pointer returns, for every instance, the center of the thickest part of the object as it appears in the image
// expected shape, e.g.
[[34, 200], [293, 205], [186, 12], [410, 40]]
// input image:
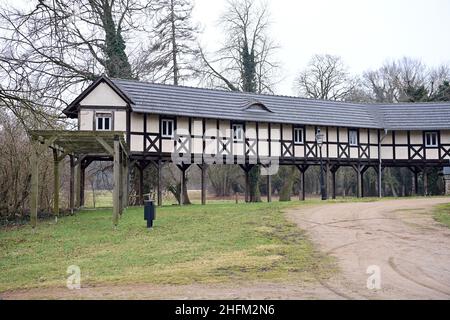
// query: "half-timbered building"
[[160, 123]]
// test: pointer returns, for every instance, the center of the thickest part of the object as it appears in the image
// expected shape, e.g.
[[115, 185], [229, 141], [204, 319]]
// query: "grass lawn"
[[218, 242], [442, 214]]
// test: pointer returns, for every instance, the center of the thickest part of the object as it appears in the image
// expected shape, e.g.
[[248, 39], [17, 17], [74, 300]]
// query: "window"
[[103, 121], [238, 132], [298, 135], [167, 128], [353, 137], [431, 139]]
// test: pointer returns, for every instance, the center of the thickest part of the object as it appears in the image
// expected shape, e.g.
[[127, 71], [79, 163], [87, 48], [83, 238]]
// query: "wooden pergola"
[[80, 146]]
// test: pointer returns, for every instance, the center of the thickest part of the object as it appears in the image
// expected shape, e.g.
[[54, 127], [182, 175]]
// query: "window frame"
[[431, 134], [233, 129], [302, 140], [350, 131], [103, 115], [172, 127]]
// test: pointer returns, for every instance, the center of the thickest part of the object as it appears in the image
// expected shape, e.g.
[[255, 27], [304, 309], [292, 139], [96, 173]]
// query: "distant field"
[[219, 242]]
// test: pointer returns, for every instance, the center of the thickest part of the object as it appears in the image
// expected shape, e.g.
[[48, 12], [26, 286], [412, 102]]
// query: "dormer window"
[[103, 121], [256, 106]]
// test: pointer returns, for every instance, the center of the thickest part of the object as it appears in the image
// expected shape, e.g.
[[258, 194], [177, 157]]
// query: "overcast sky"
[[364, 32]]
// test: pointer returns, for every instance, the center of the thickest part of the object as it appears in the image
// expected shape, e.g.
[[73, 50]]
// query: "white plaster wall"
[[386, 153], [332, 134], [299, 150], [432, 154], [86, 119], [416, 137], [197, 127], [401, 152], [445, 136], [103, 95], [353, 152], [137, 122], [263, 131], [136, 143], [120, 120], [332, 149], [250, 130], [374, 152], [287, 132], [363, 136], [152, 123]]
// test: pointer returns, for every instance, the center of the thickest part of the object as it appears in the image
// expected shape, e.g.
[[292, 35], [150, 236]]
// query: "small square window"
[[167, 128], [298, 135], [104, 121], [353, 137], [238, 132], [431, 139]]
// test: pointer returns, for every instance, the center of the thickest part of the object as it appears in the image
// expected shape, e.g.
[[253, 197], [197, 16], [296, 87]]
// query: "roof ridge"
[[241, 92]]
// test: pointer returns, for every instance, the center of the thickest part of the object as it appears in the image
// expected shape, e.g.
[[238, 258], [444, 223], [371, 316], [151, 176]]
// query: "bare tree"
[[246, 61], [174, 47], [52, 49], [325, 77]]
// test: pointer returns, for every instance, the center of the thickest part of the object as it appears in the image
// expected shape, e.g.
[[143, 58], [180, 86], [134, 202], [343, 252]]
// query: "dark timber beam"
[[302, 168], [56, 184], [34, 184], [159, 196], [116, 173], [425, 181], [203, 167], [71, 185], [183, 169], [269, 188], [334, 169], [247, 168]]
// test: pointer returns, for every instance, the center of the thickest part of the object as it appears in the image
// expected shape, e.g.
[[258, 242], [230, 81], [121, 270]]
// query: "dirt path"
[[399, 237]]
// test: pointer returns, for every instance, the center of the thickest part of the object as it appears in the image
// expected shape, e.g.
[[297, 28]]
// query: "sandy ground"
[[397, 239]]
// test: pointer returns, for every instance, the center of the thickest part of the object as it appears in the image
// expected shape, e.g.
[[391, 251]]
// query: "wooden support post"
[[425, 181], [269, 188], [333, 182], [71, 185], [120, 182], [77, 191], [116, 174], [55, 184], [125, 181], [141, 184], [362, 183], [182, 182], [302, 169], [379, 180], [160, 200], [416, 183], [328, 179], [247, 186], [34, 203], [357, 169], [82, 183], [203, 168]]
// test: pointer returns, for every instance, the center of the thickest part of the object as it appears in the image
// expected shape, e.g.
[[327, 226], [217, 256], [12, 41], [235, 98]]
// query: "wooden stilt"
[[379, 180], [333, 181], [77, 190], [125, 182], [120, 183], [302, 169], [182, 182], [269, 188], [116, 191], [82, 183], [362, 183], [34, 185], [55, 184], [203, 168], [160, 200], [247, 186], [71, 185], [425, 181], [416, 183], [328, 179], [141, 184]]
